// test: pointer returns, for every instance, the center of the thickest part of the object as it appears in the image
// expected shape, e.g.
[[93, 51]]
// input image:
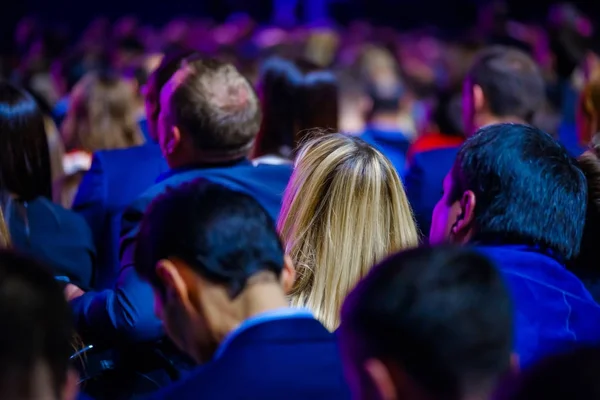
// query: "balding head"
[[212, 105]]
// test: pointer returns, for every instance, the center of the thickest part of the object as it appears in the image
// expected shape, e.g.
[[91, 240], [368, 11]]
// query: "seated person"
[[503, 85], [37, 226], [217, 267], [430, 323], [117, 177], [516, 194], [36, 337], [209, 118]]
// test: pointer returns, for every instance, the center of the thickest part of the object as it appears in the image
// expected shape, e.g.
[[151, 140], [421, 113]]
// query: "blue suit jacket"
[[423, 182], [127, 311], [393, 144], [553, 309], [115, 179], [292, 359]]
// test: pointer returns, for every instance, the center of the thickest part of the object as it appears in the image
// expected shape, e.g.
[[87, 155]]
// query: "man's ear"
[[288, 275], [478, 98], [381, 379], [464, 222], [172, 280], [173, 140]]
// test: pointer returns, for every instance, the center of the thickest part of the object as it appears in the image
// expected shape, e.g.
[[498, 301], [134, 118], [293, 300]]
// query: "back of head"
[[344, 209], [319, 104], [35, 340], [500, 165], [385, 96], [511, 82], [279, 86], [573, 375], [216, 106], [440, 318], [169, 64], [588, 115], [224, 235], [102, 114], [24, 159]]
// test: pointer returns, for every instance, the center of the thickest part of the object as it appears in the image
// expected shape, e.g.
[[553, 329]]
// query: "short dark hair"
[[37, 326], [24, 155], [225, 235], [528, 189], [217, 107], [443, 314], [511, 82], [319, 104], [569, 375]]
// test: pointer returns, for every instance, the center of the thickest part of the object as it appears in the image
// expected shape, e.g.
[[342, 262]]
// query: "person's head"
[[35, 340], [588, 111], [445, 114], [515, 184], [344, 210], [319, 104], [208, 113], [385, 98], [428, 323], [169, 64], [568, 375], [213, 257], [25, 161], [278, 88], [503, 85], [102, 114]]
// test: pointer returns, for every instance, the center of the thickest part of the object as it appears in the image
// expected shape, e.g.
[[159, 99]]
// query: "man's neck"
[[484, 120], [386, 120]]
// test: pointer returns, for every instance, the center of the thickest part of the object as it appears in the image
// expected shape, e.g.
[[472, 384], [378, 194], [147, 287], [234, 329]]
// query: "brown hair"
[[102, 115], [589, 111], [214, 104]]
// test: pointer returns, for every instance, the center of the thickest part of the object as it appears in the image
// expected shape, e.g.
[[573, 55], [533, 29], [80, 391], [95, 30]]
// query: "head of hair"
[[223, 234], [446, 114], [500, 165], [569, 48], [319, 104], [279, 84], [102, 114], [443, 315], [24, 165], [589, 110], [216, 106], [344, 209], [510, 80], [385, 97], [157, 79], [570, 375], [37, 330]]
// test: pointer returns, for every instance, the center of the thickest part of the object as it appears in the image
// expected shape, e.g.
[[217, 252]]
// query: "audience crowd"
[[244, 211]]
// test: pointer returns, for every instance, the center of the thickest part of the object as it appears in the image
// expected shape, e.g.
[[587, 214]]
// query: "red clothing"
[[433, 141]]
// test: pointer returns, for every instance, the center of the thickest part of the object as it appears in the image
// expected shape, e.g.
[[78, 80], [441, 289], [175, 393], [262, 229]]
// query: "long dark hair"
[[24, 157], [279, 85]]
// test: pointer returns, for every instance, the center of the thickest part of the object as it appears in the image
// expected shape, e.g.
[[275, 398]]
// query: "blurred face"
[[468, 108], [445, 215]]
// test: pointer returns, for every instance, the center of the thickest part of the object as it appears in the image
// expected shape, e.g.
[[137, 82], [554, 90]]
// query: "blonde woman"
[[343, 211]]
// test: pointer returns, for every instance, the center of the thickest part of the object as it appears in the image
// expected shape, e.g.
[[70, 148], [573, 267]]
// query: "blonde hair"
[[102, 115], [343, 211]]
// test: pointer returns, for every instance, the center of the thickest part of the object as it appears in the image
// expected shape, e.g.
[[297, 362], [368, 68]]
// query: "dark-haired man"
[[503, 85], [515, 193], [217, 267], [36, 334], [209, 117], [426, 324]]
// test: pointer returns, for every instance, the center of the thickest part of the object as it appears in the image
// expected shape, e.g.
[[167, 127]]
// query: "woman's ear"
[[288, 274]]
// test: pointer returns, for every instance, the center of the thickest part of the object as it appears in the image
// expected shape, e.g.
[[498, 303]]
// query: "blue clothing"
[[126, 311], [553, 309], [115, 179], [55, 236], [393, 144], [567, 136], [285, 358], [423, 182], [273, 315]]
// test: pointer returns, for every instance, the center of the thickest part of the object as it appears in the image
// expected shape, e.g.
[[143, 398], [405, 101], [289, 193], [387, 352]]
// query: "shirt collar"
[[267, 316]]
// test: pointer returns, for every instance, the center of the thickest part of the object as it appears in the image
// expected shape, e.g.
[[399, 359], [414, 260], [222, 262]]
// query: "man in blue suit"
[[209, 117], [117, 177], [516, 194], [220, 277], [503, 85]]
